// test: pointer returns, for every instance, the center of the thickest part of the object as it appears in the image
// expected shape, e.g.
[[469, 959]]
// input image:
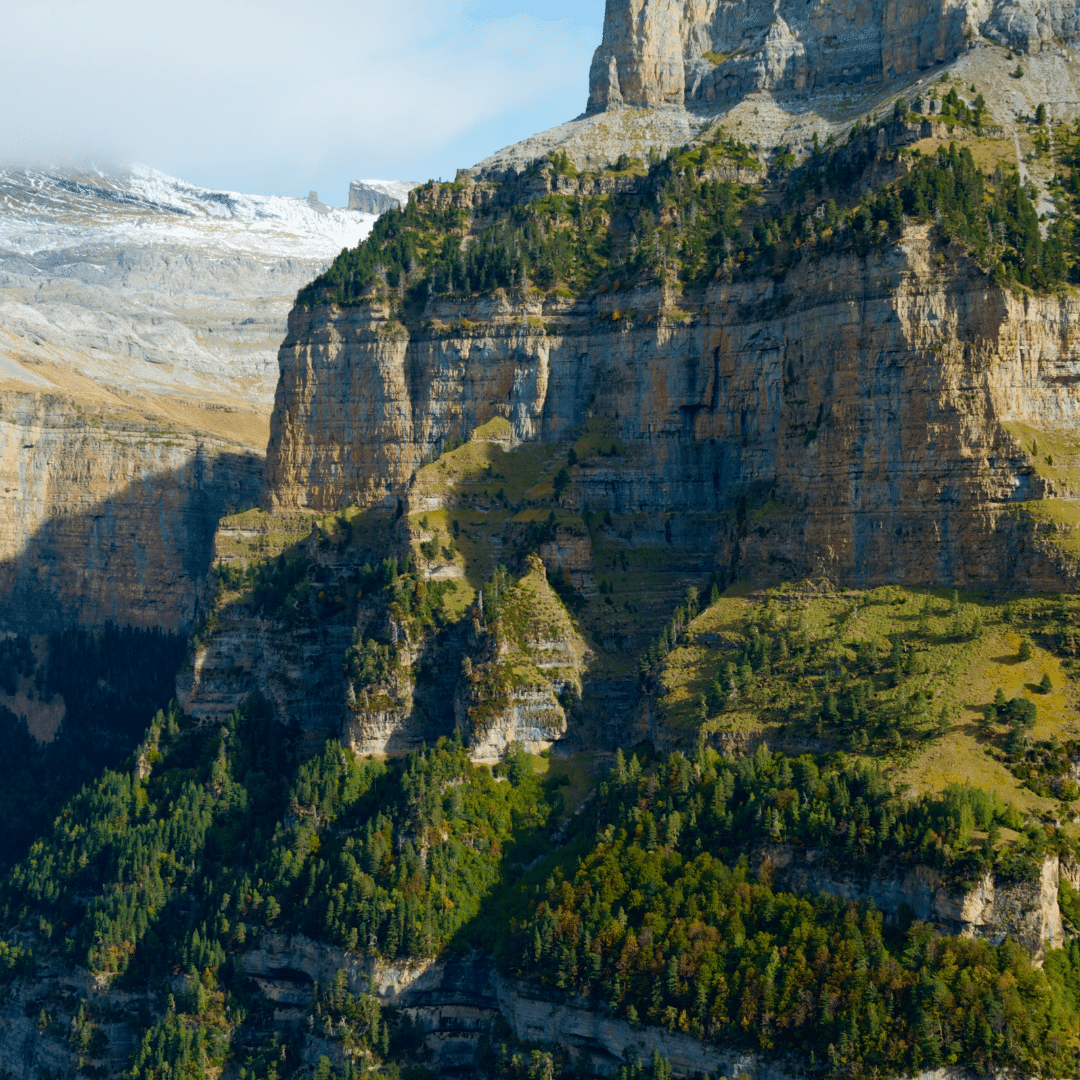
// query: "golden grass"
[[160, 416], [961, 757], [986, 152]]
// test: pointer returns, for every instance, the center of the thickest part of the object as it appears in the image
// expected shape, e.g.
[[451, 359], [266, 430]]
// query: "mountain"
[[375, 196], [654, 649], [780, 76], [139, 322]]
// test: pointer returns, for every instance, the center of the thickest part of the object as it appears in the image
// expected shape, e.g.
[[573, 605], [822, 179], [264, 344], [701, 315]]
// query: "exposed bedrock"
[[861, 402], [1026, 911], [701, 52], [107, 524]]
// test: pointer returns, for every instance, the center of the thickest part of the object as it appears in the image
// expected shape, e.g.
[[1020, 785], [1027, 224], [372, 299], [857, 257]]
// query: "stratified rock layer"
[[704, 53], [859, 405], [139, 321], [107, 523]]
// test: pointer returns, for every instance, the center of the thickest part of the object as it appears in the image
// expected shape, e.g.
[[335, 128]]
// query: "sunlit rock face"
[[699, 52]]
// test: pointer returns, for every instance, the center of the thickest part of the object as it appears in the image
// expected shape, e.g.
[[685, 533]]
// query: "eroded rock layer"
[[849, 418], [705, 53], [107, 523]]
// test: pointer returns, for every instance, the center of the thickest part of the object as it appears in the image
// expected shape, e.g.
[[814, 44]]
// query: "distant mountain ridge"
[[378, 196]]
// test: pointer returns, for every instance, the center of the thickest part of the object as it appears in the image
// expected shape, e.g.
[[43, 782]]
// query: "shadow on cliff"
[[136, 557]]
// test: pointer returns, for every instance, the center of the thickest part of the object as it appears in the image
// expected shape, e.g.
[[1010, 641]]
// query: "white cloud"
[[280, 96]]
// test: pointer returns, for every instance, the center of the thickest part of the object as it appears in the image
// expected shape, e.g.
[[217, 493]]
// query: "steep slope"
[[785, 76], [660, 52]]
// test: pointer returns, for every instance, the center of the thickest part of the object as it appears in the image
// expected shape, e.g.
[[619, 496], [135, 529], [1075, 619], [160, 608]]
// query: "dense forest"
[[156, 860], [649, 907], [663, 922]]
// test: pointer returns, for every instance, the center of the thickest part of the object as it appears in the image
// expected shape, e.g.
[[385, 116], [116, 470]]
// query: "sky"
[[274, 98]]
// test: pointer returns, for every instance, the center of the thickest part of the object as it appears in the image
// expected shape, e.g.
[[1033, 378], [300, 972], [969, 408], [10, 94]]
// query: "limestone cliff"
[[1026, 911], [290, 655], [139, 321], [704, 52], [864, 399], [108, 521]]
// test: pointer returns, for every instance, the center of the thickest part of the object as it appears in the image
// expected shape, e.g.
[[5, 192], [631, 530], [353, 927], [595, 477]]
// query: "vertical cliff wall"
[[863, 400], [107, 521], [701, 53]]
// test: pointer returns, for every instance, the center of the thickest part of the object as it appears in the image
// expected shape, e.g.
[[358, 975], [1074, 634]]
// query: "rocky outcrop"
[[290, 654], [410, 708], [850, 418], [1026, 911], [37, 1021], [107, 521], [378, 196], [296, 667], [703, 54], [522, 673], [456, 1002]]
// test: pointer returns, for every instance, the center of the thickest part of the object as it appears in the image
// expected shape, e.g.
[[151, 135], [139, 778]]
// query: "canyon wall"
[[849, 418], [104, 520], [139, 323]]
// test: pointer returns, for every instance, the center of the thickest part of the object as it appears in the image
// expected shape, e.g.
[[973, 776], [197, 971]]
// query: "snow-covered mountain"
[[138, 279]]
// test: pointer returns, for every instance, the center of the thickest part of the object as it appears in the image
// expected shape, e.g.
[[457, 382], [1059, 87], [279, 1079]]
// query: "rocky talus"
[[849, 418]]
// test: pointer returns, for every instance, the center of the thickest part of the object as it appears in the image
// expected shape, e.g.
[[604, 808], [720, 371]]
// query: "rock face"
[[139, 322], [404, 712], [456, 1002], [703, 53], [378, 196], [522, 673], [1026, 911], [864, 401], [296, 668], [294, 660], [107, 523], [141, 281]]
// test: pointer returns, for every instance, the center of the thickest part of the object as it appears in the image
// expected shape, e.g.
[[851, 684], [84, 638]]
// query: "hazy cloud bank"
[[274, 97]]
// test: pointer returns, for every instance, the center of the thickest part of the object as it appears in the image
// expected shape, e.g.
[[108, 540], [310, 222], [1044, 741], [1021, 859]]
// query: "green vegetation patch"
[[1055, 455], [659, 920]]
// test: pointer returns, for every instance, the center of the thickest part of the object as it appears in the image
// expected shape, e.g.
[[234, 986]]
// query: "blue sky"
[[277, 97]]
